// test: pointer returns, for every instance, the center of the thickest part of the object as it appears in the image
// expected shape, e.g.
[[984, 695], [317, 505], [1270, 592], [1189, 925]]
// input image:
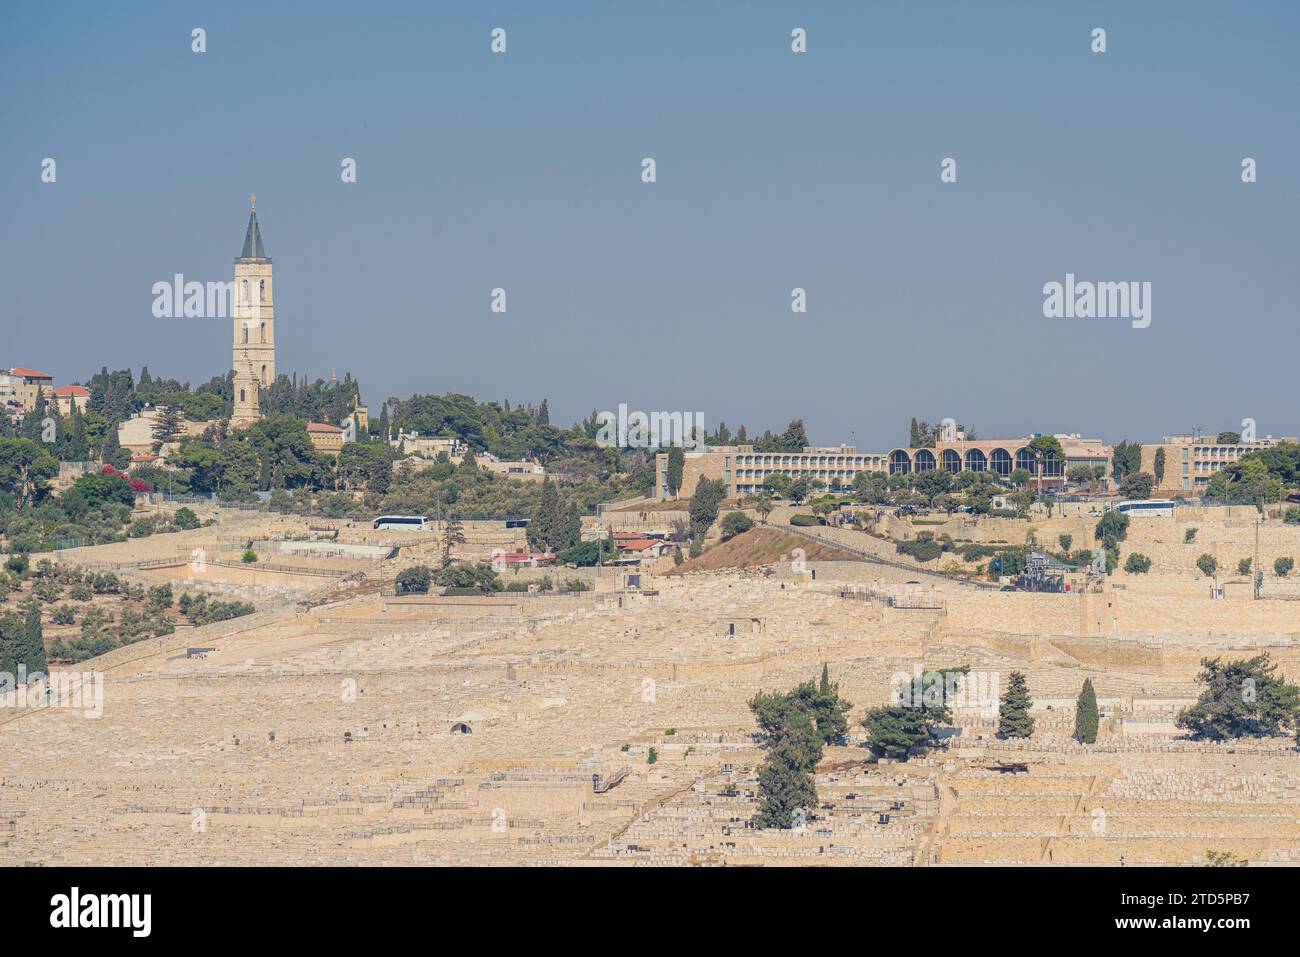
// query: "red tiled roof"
[[322, 427], [77, 390], [639, 544], [30, 374]]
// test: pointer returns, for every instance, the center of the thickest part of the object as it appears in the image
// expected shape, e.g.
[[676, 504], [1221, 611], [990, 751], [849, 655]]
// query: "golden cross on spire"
[[253, 199]]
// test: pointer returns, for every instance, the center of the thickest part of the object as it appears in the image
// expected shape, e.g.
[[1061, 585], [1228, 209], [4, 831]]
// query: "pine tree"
[[1014, 719], [1085, 714], [543, 414], [383, 423], [166, 427], [453, 534], [785, 781], [915, 440]]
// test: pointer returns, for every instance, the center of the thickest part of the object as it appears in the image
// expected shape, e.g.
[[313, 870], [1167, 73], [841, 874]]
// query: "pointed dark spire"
[[253, 237]]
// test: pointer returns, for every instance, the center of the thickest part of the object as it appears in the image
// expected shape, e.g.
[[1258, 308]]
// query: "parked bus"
[[1147, 506], [410, 523]]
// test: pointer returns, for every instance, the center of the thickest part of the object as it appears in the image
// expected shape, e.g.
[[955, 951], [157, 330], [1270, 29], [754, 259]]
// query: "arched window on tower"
[[245, 327], [264, 382], [242, 396], [261, 290], [243, 292], [263, 332]]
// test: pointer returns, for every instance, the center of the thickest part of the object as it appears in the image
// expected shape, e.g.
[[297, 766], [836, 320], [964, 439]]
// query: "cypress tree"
[[113, 453], [572, 526], [1085, 714], [34, 644], [1014, 719], [830, 710], [546, 526], [77, 450], [676, 464]]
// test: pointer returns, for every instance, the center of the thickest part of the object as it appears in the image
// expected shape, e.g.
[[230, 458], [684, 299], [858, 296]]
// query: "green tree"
[[1125, 458], [1244, 698], [829, 710], [1065, 541], [1014, 719], [909, 726], [1046, 448], [1282, 566], [453, 534], [1112, 529], [1243, 566], [764, 506], [789, 734], [708, 496], [1208, 564], [413, 580], [24, 469], [1160, 465], [1137, 564], [546, 529], [113, 454], [735, 523], [1137, 485], [1086, 719], [676, 464], [167, 427]]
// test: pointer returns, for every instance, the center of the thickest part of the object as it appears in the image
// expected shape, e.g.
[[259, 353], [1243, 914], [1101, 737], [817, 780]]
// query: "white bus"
[[410, 523], [1147, 506]]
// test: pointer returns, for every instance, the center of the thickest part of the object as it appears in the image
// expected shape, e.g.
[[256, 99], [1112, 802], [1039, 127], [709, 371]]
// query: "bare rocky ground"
[[343, 726]]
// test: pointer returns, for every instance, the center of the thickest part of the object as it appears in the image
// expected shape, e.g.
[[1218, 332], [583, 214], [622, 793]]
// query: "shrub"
[[1207, 564], [64, 615], [1066, 541], [1292, 516], [653, 756], [804, 521], [1189, 536], [922, 549], [1243, 566], [250, 556], [185, 518], [1137, 564], [1283, 566]]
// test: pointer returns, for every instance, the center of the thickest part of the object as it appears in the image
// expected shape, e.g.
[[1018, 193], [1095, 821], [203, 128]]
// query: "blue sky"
[[775, 170]]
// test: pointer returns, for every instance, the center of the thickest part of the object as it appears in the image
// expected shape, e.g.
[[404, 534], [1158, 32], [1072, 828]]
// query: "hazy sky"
[[775, 170]]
